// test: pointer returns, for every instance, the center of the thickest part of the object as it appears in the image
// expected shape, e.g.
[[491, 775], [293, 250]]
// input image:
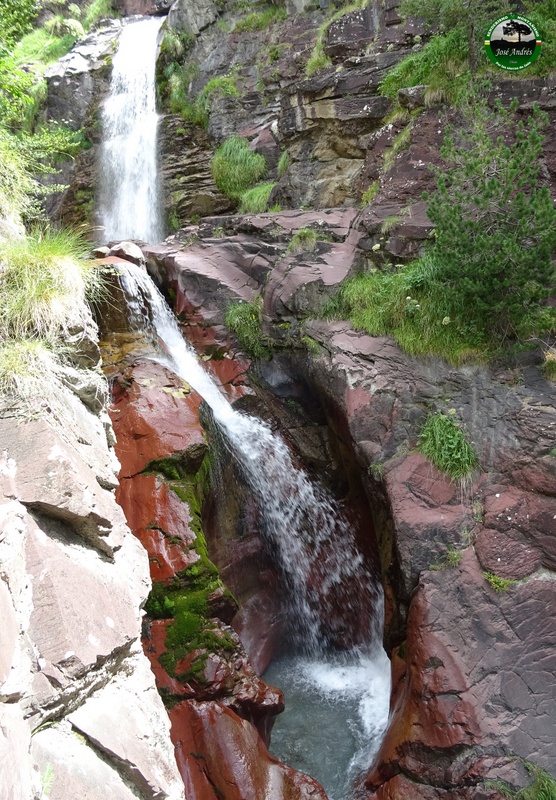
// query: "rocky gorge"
[[115, 529]]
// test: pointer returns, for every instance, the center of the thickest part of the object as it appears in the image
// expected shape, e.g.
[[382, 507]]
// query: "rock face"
[[72, 582]]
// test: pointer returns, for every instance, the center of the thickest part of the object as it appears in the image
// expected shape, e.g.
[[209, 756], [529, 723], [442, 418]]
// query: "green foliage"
[[283, 163], [16, 19], [236, 168], [96, 11], [543, 786], [441, 64], [465, 18], [15, 85], [60, 26], [369, 195], [260, 20], [44, 280], [27, 366], [245, 320], [42, 48], [543, 14], [318, 58], [410, 306], [495, 227], [255, 200], [443, 442], [497, 583], [311, 345], [197, 111], [399, 143], [549, 366], [305, 240], [451, 558]]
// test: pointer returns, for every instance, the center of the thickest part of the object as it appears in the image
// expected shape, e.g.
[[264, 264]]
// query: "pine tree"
[[495, 223]]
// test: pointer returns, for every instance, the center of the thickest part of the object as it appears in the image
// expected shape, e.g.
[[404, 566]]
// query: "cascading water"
[[129, 202], [347, 691]]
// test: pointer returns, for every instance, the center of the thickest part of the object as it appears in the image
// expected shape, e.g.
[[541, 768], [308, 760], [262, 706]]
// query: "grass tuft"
[[260, 20], [304, 241], [369, 195], [236, 168], [245, 320], [255, 200], [283, 163], [44, 281], [443, 442]]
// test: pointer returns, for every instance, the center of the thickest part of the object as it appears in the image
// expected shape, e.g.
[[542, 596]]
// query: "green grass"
[[255, 200], [400, 142], [42, 48], [369, 194], [197, 111], [318, 58], [260, 20], [411, 306], [304, 241], [44, 281], [245, 320], [549, 366], [27, 367], [283, 163], [441, 64], [443, 442], [236, 168]]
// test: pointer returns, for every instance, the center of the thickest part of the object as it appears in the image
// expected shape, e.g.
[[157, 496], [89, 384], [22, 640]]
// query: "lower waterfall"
[[337, 683]]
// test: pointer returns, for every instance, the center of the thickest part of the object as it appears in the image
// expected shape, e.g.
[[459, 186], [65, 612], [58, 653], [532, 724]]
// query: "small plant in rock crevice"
[[245, 320], [443, 442], [497, 583], [255, 200]]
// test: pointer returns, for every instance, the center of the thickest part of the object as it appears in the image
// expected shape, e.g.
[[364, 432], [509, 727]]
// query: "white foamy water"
[[129, 203], [336, 702]]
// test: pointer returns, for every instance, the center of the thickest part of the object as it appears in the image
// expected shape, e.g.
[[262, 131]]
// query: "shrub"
[[443, 442], [255, 200], [236, 168], [245, 320], [305, 240], [197, 111], [495, 226]]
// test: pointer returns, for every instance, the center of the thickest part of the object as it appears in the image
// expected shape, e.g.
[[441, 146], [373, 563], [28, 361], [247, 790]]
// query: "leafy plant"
[[245, 320], [255, 200], [305, 240], [443, 442], [96, 11], [236, 168], [549, 366]]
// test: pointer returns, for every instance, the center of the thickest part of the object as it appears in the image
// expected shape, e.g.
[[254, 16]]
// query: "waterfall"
[[318, 556], [129, 198]]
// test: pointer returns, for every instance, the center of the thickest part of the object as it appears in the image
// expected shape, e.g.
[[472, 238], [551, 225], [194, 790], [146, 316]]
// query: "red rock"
[[220, 755]]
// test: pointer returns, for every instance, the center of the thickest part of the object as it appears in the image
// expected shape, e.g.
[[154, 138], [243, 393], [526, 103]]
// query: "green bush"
[[495, 226], [236, 168], [197, 111], [283, 163], [443, 442], [255, 200], [97, 10]]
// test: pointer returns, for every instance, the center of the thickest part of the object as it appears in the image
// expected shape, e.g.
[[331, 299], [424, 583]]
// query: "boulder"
[[185, 15]]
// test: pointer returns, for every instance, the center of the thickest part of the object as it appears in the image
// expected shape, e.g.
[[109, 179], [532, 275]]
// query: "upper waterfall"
[[129, 203]]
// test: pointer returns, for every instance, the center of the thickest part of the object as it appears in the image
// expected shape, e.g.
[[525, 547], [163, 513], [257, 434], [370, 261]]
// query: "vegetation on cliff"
[[486, 276]]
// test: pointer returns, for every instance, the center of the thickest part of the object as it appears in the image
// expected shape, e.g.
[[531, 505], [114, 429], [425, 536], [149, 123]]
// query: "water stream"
[[129, 196], [337, 683]]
